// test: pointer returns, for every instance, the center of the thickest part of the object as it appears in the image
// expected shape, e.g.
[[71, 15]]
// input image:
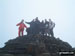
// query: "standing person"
[[51, 26], [31, 29], [42, 27], [37, 26], [21, 27], [46, 27]]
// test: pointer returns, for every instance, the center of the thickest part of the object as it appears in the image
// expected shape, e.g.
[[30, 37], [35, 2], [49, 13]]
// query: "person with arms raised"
[[21, 27]]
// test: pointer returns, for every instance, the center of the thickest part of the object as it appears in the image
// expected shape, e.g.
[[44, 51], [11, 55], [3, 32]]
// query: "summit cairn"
[[37, 45], [39, 41]]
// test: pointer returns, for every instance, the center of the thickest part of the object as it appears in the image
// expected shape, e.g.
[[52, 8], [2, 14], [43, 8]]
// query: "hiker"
[[37, 26], [21, 28], [31, 29], [42, 27], [46, 27], [50, 29]]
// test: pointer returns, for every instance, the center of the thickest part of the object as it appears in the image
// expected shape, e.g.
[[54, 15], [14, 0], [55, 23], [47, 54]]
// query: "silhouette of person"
[[30, 30], [51, 26], [21, 27], [37, 26], [46, 27], [34, 26], [42, 27]]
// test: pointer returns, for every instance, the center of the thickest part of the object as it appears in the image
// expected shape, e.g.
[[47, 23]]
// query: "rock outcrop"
[[36, 45]]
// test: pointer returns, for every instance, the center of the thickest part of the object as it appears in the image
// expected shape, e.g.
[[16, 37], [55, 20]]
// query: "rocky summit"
[[34, 45]]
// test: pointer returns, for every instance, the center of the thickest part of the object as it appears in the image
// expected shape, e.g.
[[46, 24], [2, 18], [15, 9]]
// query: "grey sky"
[[60, 11]]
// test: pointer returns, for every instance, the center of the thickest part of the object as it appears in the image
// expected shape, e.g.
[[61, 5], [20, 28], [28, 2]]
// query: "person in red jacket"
[[21, 27]]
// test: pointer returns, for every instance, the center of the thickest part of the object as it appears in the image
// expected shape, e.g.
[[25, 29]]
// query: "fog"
[[60, 11]]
